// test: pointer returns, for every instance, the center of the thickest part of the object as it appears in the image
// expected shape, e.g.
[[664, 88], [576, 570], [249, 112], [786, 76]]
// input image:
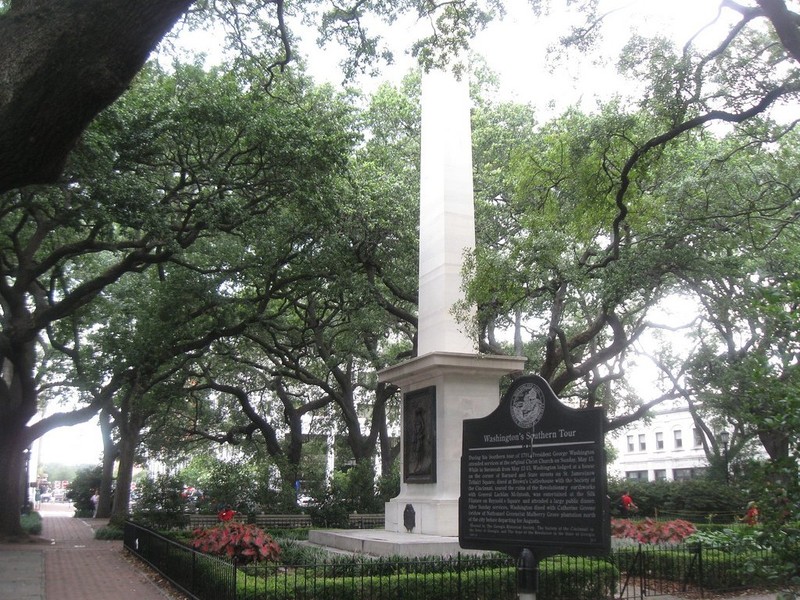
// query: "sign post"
[[533, 480]]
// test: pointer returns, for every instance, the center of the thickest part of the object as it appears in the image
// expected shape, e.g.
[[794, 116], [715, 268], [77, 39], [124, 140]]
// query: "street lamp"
[[725, 437], [26, 478]]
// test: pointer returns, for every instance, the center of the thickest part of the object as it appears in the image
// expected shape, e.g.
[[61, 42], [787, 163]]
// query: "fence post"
[[458, 572], [700, 574], [527, 575], [642, 591], [193, 574]]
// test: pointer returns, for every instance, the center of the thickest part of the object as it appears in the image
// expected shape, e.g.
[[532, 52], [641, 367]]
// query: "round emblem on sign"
[[527, 405]]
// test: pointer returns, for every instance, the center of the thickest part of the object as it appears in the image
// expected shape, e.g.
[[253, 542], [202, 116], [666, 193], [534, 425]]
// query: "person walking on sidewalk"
[[95, 502]]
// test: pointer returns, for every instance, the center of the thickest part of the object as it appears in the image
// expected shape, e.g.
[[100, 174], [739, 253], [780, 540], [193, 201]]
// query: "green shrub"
[[577, 578], [431, 578], [500, 585], [161, 494], [197, 573], [733, 539], [351, 491], [82, 488], [109, 533], [388, 486], [729, 570], [669, 564], [233, 482], [720, 570], [182, 536], [243, 483], [294, 553], [329, 513], [719, 527], [697, 500], [578, 582], [161, 521], [31, 523]]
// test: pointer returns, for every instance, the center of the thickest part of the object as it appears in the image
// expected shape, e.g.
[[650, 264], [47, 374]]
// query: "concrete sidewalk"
[[73, 565]]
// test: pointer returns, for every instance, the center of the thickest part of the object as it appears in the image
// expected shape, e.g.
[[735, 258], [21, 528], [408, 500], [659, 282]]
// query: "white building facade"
[[666, 446]]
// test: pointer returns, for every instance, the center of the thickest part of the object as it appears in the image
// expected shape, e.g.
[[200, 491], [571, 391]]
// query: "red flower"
[[226, 514], [243, 543]]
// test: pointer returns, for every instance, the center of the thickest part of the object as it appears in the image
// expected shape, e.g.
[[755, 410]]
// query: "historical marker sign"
[[533, 475]]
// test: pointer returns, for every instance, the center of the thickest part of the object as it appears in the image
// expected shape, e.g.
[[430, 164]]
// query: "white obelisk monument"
[[448, 381]]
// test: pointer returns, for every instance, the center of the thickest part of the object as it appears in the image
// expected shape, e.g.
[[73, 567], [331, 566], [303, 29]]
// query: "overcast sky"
[[517, 48]]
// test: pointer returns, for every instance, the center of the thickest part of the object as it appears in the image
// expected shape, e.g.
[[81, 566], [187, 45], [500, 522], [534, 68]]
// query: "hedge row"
[[590, 581]]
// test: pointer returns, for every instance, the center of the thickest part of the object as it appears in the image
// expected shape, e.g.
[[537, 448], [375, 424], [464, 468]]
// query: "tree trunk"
[[17, 407], [129, 440], [61, 63], [785, 23], [383, 392], [12, 446], [775, 442], [107, 474]]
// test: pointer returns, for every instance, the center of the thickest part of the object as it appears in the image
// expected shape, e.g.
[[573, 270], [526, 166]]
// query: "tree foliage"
[[81, 489], [153, 178], [682, 190]]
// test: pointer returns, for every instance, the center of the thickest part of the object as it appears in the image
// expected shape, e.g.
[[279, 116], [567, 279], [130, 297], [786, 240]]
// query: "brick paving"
[[73, 565]]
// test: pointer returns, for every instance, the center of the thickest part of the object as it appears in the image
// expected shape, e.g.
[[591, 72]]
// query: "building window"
[[630, 443], [642, 442], [659, 440], [691, 473], [698, 437], [636, 475], [660, 474], [678, 439]]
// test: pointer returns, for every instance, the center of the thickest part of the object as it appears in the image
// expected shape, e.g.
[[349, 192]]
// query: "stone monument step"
[[378, 542]]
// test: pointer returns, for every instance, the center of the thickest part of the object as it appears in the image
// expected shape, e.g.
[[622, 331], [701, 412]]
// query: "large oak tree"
[[153, 183]]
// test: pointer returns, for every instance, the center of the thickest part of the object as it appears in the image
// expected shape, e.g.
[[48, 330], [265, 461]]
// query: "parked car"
[[304, 500]]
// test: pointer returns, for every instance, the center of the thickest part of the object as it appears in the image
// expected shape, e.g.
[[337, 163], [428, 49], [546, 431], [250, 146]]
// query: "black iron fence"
[[640, 571], [194, 573]]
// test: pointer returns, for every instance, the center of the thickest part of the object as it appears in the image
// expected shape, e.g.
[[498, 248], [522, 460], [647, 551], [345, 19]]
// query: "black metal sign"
[[533, 475]]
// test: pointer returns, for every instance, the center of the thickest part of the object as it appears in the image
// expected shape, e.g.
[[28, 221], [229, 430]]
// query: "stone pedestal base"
[[467, 387], [378, 542], [432, 517]]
